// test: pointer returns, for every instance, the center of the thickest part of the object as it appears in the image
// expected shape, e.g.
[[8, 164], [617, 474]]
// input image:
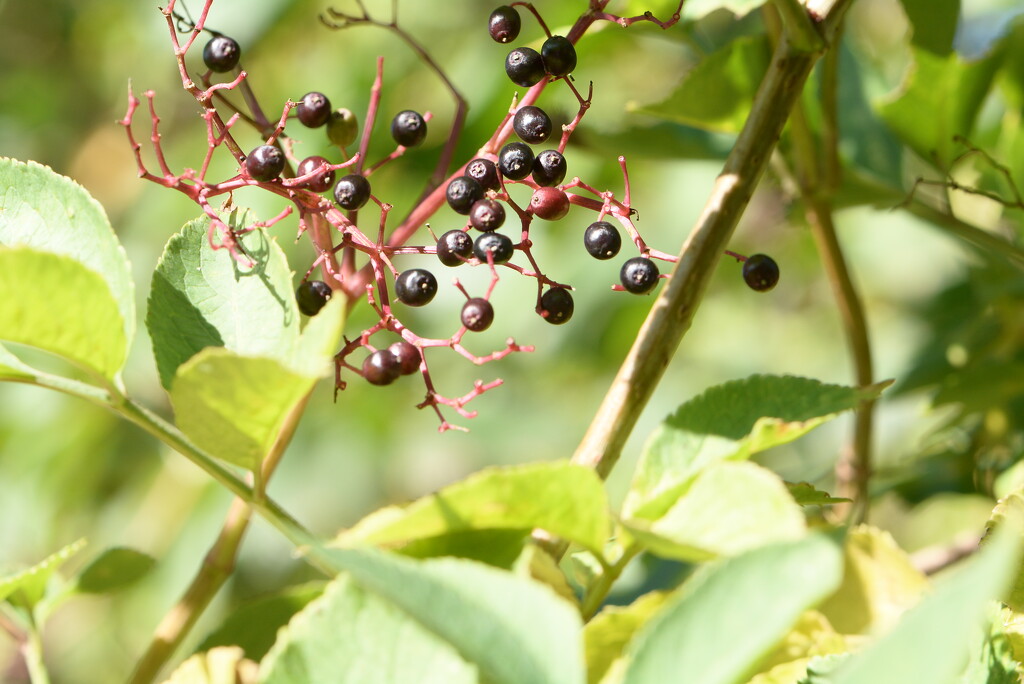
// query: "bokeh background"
[[70, 470]]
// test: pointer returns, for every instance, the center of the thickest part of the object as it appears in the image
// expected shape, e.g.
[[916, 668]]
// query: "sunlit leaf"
[[224, 665], [607, 634], [26, 588]]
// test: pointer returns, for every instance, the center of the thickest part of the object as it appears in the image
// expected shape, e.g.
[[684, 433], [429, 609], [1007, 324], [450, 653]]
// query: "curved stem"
[[32, 652], [598, 591]]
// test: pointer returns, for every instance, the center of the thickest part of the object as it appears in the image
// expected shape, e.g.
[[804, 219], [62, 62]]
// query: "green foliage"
[[28, 587], [114, 569]]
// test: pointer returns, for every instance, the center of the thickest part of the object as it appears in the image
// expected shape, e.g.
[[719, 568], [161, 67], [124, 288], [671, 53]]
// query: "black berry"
[[415, 287], [265, 163], [525, 67], [484, 172], [314, 109], [532, 124], [499, 246], [408, 128], [602, 240], [556, 305], [559, 56], [342, 127], [477, 314], [515, 161], [221, 54], [549, 204], [311, 296], [639, 275], [454, 247], [408, 357], [760, 272], [352, 191], [504, 24], [462, 192], [321, 182], [549, 168], [487, 214], [381, 367]]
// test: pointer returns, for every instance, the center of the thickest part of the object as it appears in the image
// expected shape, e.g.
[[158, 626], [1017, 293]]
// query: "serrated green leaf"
[[352, 635], [567, 500], [234, 406], [224, 665], [607, 634], [728, 617], [933, 23], [75, 317], [27, 587], [731, 422], [115, 569], [51, 213], [514, 630], [729, 508], [1010, 511], [806, 494], [204, 298]]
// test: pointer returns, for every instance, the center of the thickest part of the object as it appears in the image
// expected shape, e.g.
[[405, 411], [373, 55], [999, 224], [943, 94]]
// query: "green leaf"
[[14, 369], [224, 665], [729, 616], [51, 213], [56, 304], [28, 587], [204, 298], [515, 630], [731, 422], [114, 569], [351, 635], [567, 500], [933, 23], [694, 9], [806, 494], [605, 636], [1010, 511], [729, 508], [811, 636]]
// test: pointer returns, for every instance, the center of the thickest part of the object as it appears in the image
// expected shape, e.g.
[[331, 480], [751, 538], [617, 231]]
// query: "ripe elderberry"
[[549, 168], [314, 109], [487, 214], [265, 163], [549, 204], [639, 275], [499, 246], [504, 24], [352, 191], [477, 314], [408, 128], [484, 172], [221, 54], [532, 124], [556, 305], [462, 192], [760, 272], [515, 161], [415, 287], [342, 127], [524, 66], [381, 367], [559, 56], [320, 183], [602, 240], [454, 247], [408, 357], [311, 296]]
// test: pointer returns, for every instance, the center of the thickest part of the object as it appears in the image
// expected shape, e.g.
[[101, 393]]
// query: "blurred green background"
[[68, 469]]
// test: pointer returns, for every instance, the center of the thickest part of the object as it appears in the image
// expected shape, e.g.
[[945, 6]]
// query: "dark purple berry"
[[320, 183], [454, 247], [532, 124], [760, 272], [265, 163], [602, 240], [559, 56], [408, 128], [314, 110], [487, 214], [408, 357], [556, 305], [525, 67], [352, 191], [484, 172], [549, 204], [381, 367], [415, 287], [549, 168], [515, 161], [311, 296], [639, 275], [499, 246], [221, 54], [477, 314], [504, 24], [462, 192], [342, 127]]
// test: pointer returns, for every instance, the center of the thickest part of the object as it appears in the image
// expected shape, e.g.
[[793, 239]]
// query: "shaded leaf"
[[607, 634], [806, 494], [224, 665], [27, 587], [933, 23], [114, 569], [537, 564]]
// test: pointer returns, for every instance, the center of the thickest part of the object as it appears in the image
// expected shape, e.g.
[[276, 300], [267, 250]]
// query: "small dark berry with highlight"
[[311, 296], [515, 161], [556, 305], [408, 357], [314, 109], [484, 172], [415, 287], [477, 314], [352, 192], [265, 163], [525, 67], [559, 56], [321, 182], [639, 275], [499, 246], [381, 367], [532, 124], [549, 168], [760, 272], [454, 247], [221, 54], [461, 193], [602, 240], [487, 214], [504, 24], [549, 204], [408, 128]]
